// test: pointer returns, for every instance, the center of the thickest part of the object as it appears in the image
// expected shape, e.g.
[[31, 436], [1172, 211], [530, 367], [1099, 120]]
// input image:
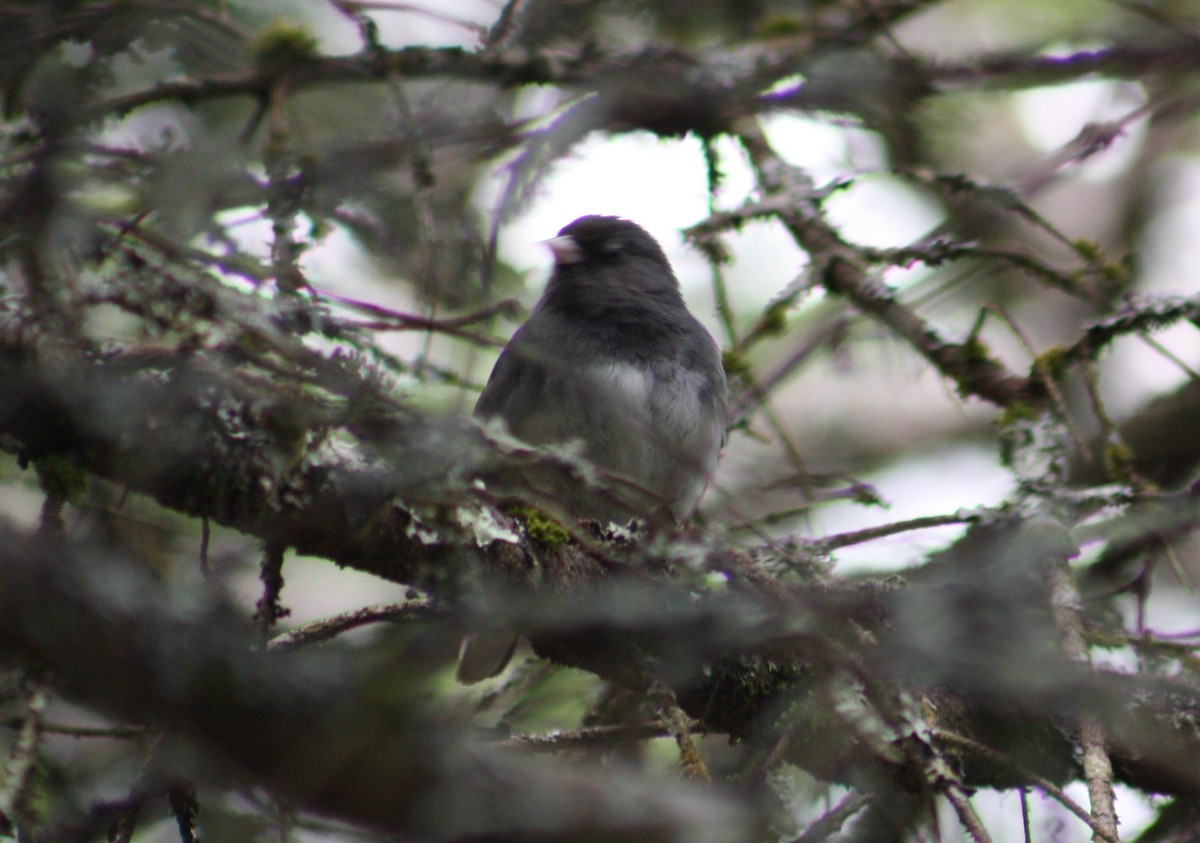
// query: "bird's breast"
[[667, 395], [622, 384]]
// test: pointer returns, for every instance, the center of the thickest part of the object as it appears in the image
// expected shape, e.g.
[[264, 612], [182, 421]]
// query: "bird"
[[610, 358]]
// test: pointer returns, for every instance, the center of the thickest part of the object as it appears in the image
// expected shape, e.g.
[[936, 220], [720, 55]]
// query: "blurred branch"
[[309, 727], [185, 807], [114, 732], [506, 70], [388, 319], [831, 822], [966, 814], [1134, 316], [17, 782], [270, 610], [1014, 71], [937, 252], [171, 426], [329, 628], [827, 543], [676, 721], [668, 92], [594, 736], [1097, 766], [236, 265], [847, 270]]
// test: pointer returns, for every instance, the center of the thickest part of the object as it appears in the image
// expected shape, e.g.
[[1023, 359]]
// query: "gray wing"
[[534, 390], [689, 408]]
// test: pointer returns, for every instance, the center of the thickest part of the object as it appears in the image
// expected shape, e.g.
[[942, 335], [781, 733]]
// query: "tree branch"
[[321, 730]]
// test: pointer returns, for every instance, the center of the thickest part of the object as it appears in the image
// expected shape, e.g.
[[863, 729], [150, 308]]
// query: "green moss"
[[780, 26], [283, 45], [1052, 362], [973, 355], [774, 320], [735, 363], [1016, 412], [1087, 250], [1118, 460], [974, 351], [60, 476], [540, 527], [1097, 636], [1118, 273]]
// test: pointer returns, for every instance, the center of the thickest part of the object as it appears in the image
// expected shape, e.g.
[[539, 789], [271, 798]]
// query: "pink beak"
[[566, 250]]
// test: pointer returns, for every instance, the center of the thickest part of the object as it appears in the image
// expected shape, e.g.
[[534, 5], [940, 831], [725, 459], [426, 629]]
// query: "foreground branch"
[[321, 730]]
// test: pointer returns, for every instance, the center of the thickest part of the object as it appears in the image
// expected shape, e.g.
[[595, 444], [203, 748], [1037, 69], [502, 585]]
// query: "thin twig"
[[826, 335], [116, 732], [966, 813], [1120, 470], [1024, 792], [1098, 772], [1019, 70], [831, 822], [681, 728], [327, 628], [507, 307], [236, 265], [588, 737], [205, 535], [724, 308], [1044, 373], [1134, 317], [882, 531], [285, 188], [269, 609], [1170, 356], [1092, 139], [16, 783], [504, 27], [395, 320], [185, 807], [1097, 766]]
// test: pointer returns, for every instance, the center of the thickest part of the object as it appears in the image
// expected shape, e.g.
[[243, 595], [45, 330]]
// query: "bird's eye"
[[612, 246]]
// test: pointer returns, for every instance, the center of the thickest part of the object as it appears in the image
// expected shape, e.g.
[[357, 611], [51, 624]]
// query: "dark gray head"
[[604, 240], [610, 264]]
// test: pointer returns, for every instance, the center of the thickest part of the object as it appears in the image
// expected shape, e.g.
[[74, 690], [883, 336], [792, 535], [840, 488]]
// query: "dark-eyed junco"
[[611, 357]]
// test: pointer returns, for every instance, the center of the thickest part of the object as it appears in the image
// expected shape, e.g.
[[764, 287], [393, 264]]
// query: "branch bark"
[[321, 729]]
